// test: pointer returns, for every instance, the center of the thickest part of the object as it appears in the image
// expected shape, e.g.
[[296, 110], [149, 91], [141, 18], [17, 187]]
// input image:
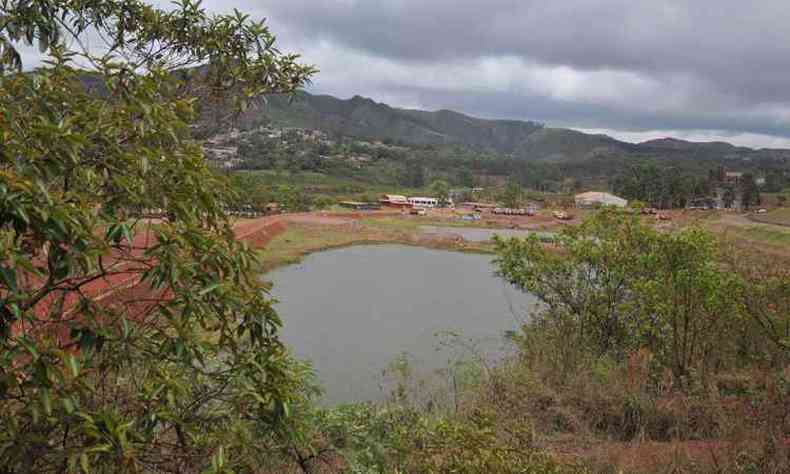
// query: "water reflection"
[[353, 311]]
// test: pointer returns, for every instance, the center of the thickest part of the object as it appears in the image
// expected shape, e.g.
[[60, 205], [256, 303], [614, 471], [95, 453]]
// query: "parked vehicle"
[[561, 215], [762, 211]]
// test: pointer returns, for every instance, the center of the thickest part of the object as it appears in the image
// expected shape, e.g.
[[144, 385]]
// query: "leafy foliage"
[[440, 189], [650, 336], [251, 194], [750, 193], [413, 174], [128, 344], [512, 194], [663, 188], [616, 286], [398, 439]]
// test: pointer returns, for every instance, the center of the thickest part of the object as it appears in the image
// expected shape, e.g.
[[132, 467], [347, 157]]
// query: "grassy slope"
[[769, 240], [302, 239], [337, 186]]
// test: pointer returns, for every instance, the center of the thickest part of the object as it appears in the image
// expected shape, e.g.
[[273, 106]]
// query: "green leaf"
[[127, 233], [29, 346], [9, 278], [46, 401], [126, 329], [68, 405], [73, 364], [84, 464], [209, 289]]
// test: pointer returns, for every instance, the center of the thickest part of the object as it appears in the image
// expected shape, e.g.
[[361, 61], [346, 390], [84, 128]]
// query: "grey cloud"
[[615, 64], [744, 46], [575, 115]]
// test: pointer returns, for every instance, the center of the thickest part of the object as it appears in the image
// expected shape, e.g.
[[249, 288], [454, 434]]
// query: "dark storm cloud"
[[735, 43], [614, 64]]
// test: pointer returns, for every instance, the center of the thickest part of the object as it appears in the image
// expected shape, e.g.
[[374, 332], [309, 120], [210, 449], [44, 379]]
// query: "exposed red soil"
[[120, 287], [319, 218], [332, 218], [259, 232]]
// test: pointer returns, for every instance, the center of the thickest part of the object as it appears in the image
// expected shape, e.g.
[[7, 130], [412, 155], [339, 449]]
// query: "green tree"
[[413, 174], [466, 178], [129, 345], [587, 286], [617, 285], [249, 191], [570, 185], [441, 191], [687, 303], [750, 193], [512, 195], [774, 182], [641, 182], [664, 188], [292, 198]]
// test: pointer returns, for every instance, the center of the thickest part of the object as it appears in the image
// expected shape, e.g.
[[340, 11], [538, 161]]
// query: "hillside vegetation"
[[364, 118]]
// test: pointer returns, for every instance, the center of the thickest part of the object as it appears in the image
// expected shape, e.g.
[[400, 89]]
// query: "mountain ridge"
[[366, 118]]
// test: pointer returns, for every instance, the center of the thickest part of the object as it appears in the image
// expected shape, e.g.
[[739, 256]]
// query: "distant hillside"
[[701, 147], [364, 118], [562, 144]]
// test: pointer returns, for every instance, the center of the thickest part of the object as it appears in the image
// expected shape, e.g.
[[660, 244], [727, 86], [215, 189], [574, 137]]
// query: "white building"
[[423, 202], [595, 199]]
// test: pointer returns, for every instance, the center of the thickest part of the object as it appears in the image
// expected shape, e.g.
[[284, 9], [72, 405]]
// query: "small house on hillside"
[[596, 199]]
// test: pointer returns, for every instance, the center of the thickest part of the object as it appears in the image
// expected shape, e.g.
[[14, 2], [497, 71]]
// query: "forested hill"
[[365, 118]]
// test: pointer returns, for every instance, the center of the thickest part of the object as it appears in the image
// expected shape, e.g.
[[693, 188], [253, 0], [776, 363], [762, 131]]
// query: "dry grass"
[[780, 216], [301, 239], [614, 418], [767, 243]]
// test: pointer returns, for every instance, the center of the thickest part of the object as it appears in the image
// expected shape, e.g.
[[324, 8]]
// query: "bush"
[[615, 285]]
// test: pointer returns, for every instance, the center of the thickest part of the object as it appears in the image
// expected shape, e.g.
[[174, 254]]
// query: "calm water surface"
[[352, 311]]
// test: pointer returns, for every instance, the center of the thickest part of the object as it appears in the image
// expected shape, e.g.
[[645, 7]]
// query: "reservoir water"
[[352, 311]]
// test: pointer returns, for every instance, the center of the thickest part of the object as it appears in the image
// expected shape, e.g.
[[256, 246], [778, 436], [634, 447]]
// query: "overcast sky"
[[636, 69]]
